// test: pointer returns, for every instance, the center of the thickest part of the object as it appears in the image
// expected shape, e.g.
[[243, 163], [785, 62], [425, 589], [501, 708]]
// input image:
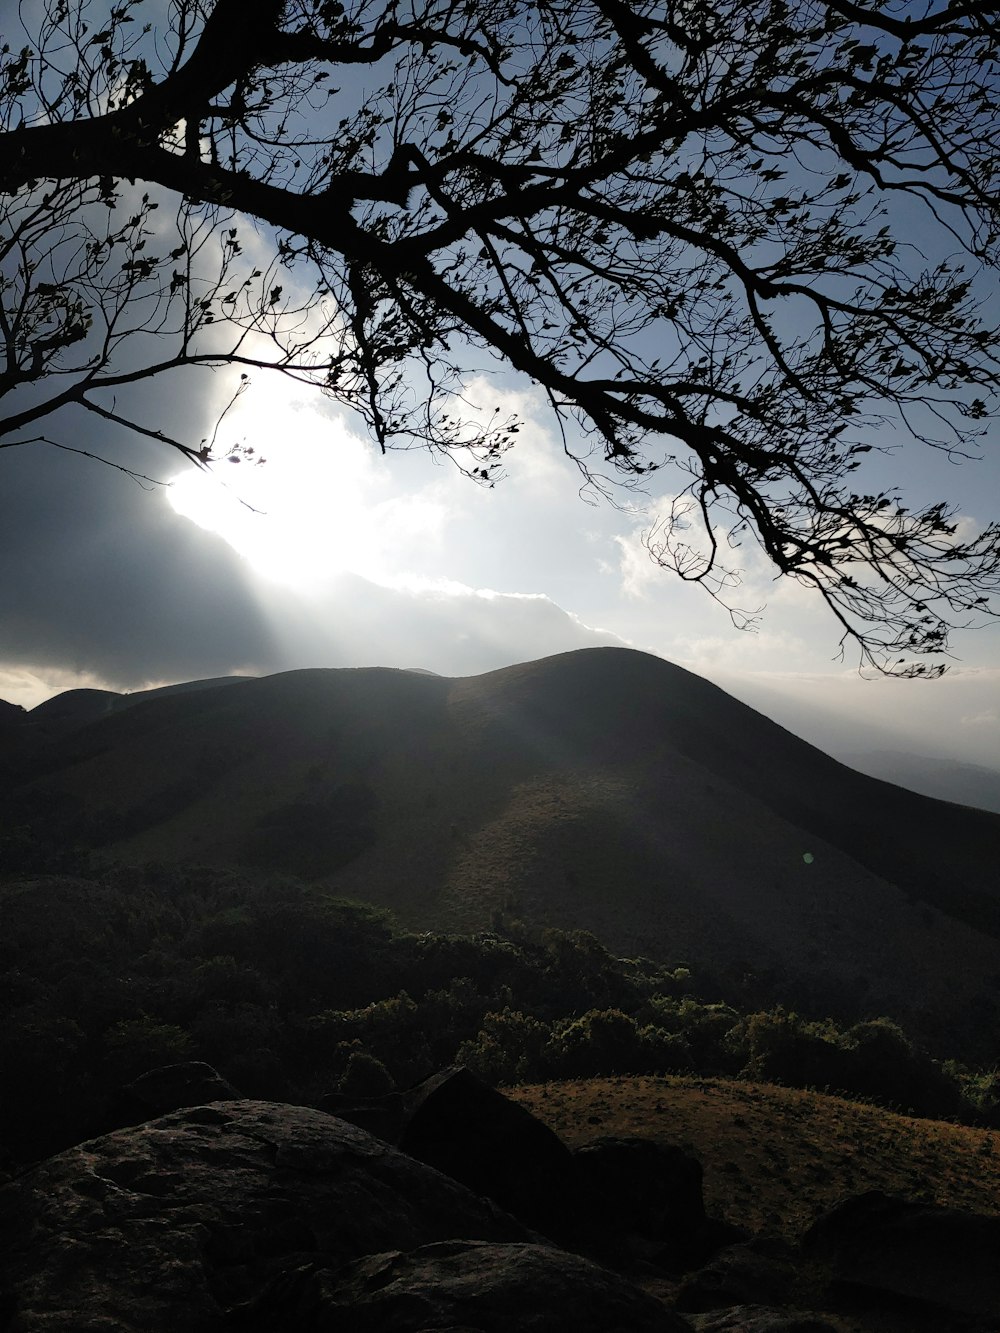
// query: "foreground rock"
[[759, 1272], [621, 1200], [167, 1225], [943, 1258], [246, 1216], [169, 1088], [458, 1124], [764, 1319], [470, 1286], [646, 1201]]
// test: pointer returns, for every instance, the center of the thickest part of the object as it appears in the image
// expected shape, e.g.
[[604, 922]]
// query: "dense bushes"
[[293, 994], [873, 1060]]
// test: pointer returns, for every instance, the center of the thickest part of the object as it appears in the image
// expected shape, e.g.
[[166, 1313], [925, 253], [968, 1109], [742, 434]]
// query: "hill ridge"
[[602, 788]]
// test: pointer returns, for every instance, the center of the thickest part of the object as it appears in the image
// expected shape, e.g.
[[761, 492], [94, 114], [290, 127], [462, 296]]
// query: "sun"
[[307, 514]]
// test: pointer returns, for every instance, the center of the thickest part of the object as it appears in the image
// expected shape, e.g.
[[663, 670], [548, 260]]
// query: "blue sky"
[[349, 558], [342, 557]]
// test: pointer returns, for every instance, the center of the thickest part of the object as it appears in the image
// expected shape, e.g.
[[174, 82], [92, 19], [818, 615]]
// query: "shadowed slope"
[[605, 789]]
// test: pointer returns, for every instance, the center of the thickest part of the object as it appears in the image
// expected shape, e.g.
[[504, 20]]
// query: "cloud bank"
[[342, 558]]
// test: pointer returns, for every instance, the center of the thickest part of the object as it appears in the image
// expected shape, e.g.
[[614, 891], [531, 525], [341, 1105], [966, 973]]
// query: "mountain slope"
[[603, 789], [947, 779]]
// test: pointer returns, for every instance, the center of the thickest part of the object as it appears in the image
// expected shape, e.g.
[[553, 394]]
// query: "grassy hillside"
[[775, 1158], [602, 789]]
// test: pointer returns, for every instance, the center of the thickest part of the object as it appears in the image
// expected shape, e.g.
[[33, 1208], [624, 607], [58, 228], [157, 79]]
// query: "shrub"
[[781, 1047], [509, 1048], [602, 1041], [365, 1076], [705, 1028], [664, 1052], [884, 1064]]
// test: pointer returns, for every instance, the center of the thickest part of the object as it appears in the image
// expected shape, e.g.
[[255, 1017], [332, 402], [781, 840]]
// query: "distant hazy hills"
[[969, 784], [602, 789]]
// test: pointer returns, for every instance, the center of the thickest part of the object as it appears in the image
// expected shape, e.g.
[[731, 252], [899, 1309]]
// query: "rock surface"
[[246, 1216], [765, 1319], [616, 1199], [760, 1271], [170, 1088], [944, 1258], [475, 1287], [165, 1226], [638, 1191], [381, 1116], [476, 1135]]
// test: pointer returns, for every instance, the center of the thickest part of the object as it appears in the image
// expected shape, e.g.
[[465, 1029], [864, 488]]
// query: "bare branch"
[[691, 226]]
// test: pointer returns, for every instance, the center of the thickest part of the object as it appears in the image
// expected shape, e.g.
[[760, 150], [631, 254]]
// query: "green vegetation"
[[292, 994], [313, 838]]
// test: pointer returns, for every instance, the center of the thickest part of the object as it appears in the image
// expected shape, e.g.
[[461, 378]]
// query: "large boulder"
[[652, 1189], [623, 1200], [943, 1258], [767, 1319], [167, 1225], [463, 1287], [169, 1088], [382, 1116], [463, 1127], [760, 1271], [648, 1200]]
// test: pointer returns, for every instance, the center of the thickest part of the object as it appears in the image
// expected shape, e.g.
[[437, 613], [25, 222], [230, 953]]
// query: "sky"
[[331, 555]]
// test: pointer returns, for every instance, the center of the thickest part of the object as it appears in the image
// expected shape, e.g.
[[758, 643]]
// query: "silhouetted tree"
[[691, 225]]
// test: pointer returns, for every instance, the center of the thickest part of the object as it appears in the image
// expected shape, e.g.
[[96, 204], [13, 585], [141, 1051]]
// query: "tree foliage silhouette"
[[691, 225]]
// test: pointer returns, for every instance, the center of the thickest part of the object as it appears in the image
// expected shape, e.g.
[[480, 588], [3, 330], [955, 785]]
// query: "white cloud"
[[990, 718], [741, 651], [28, 687], [639, 573]]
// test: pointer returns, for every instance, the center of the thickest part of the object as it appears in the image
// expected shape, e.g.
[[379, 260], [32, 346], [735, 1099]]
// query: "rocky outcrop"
[[169, 1088], [472, 1286], [382, 1116], [765, 1319], [463, 1127], [760, 1271], [649, 1187], [167, 1225], [245, 1216], [942, 1258], [617, 1199], [646, 1202]]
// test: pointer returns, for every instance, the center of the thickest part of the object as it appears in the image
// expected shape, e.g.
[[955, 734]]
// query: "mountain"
[[871, 725], [602, 789], [11, 715], [947, 779], [76, 708]]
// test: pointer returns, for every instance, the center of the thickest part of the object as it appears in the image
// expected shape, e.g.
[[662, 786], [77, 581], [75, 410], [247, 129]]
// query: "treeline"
[[292, 995]]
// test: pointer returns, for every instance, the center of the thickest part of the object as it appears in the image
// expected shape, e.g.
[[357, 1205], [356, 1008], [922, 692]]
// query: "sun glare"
[[311, 512]]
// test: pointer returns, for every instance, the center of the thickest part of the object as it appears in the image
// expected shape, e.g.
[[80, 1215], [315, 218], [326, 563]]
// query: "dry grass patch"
[[775, 1158]]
